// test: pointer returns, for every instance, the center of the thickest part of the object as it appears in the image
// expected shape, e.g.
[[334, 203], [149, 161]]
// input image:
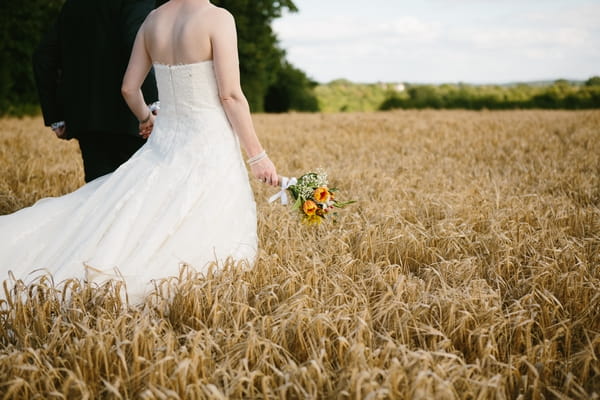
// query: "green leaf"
[[342, 204], [297, 204]]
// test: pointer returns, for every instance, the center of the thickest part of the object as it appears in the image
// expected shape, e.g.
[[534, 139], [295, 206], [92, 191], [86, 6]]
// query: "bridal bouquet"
[[312, 196]]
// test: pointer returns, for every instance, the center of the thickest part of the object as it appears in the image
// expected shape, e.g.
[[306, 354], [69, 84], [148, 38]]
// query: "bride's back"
[[179, 32]]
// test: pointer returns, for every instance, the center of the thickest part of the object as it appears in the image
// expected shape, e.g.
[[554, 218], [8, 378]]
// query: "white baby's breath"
[[321, 180]]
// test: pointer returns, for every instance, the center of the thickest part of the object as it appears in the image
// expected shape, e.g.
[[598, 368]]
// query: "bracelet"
[[147, 118], [257, 158]]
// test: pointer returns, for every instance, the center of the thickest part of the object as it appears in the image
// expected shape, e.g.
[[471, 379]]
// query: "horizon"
[[511, 83], [441, 41]]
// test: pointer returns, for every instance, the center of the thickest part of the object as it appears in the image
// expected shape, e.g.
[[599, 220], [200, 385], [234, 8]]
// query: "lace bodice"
[[191, 117], [186, 89]]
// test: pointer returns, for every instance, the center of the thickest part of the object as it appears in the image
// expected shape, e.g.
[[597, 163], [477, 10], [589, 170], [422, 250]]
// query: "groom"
[[79, 67]]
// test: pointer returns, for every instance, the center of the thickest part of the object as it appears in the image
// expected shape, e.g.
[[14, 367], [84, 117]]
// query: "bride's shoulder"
[[220, 13], [151, 17]]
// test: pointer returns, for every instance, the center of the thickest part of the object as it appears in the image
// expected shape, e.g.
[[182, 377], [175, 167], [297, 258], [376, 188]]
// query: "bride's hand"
[[146, 127], [264, 171]]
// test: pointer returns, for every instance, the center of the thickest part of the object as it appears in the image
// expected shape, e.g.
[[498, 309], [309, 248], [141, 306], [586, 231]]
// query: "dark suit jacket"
[[80, 63]]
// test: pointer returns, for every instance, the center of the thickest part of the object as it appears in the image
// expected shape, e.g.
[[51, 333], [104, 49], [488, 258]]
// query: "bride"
[[184, 197]]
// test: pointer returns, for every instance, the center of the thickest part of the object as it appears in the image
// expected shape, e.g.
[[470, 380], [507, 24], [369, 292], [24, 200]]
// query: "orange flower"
[[321, 195], [309, 207]]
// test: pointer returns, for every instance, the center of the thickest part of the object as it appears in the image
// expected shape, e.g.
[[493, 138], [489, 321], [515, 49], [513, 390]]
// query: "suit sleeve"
[[134, 13], [47, 72]]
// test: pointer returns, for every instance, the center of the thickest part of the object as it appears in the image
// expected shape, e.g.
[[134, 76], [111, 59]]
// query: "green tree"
[[394, 101], [292, 90], [22, 23], [559, 95], [562, 83], [593, 81], [425, 96]]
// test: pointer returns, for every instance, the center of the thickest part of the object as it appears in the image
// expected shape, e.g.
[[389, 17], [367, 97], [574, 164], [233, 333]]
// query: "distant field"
[[343, 95], [469, 269]]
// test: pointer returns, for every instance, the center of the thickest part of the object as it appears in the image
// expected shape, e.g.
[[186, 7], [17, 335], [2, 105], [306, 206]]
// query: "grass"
[[342, 95], [469, 269]]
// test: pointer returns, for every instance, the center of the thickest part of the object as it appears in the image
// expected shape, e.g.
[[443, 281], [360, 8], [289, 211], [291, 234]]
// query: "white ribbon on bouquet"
[[282, 194]]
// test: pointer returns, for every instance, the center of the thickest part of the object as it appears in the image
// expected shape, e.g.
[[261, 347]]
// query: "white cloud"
[[497, 37], [584, 16], [444, 44], [344, 28]]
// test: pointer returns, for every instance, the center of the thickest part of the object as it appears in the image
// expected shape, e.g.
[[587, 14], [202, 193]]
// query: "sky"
[[436, 41]]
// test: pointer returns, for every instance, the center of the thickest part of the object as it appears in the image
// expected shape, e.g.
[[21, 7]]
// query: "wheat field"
[[469, 268]]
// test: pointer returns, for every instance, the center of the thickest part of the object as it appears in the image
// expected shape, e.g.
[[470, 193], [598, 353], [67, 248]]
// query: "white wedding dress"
[[183, 198]]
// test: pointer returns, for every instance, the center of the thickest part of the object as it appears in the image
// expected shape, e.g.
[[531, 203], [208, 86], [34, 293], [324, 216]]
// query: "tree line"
[[270, 82], [342, 95], [559, 95]]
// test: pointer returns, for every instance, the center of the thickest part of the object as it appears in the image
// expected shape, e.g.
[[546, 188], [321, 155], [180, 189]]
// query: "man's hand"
[[60, 130]]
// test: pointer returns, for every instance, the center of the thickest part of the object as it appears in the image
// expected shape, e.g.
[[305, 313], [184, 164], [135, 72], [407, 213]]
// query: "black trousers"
[[102, 153]]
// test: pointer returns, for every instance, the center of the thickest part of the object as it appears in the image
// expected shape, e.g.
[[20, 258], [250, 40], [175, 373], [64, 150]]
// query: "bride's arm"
[[226, 64], [139, 66]]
